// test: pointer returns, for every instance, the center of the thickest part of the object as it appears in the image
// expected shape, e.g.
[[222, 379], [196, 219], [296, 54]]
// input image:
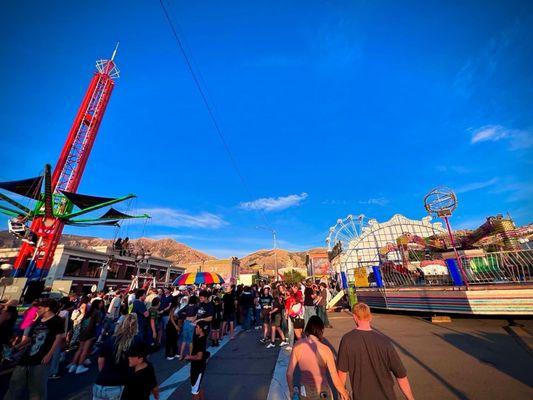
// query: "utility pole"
[[275, 244]]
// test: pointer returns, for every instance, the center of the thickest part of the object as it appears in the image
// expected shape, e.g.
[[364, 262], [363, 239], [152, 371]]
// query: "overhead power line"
[[209, 108]]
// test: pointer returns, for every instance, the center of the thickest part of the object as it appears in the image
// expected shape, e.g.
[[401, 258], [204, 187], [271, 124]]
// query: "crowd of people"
[[118, 330]]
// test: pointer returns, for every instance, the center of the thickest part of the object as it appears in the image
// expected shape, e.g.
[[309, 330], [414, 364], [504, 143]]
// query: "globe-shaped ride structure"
[[441, 202]]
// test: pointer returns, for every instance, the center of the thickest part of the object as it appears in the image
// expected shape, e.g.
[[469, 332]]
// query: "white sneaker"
[[81, 369], [170, 358], [284, 343], [72, 368], [257, 327], [270, 345], [87, 362]]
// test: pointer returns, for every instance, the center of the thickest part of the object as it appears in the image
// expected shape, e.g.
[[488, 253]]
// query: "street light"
[[274, 240]]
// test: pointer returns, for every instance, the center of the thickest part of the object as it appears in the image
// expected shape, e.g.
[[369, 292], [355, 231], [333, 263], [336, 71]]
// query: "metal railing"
[[500, 267], [492, 268]]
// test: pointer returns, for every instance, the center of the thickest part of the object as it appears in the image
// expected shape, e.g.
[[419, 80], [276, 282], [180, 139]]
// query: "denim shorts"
[[107, 392], [188, 332]]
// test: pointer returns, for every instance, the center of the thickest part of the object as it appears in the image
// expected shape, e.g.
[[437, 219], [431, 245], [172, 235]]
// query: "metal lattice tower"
[[69, 169]]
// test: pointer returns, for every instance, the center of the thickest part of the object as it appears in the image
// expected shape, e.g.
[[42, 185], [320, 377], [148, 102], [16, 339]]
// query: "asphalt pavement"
[[478, 358]]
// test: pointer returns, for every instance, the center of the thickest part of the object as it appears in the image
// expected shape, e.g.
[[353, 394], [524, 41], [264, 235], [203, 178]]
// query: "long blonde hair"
[[124, 334]]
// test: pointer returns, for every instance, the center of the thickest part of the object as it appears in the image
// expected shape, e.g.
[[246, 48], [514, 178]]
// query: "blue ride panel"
[[377, 276], [455, 274]]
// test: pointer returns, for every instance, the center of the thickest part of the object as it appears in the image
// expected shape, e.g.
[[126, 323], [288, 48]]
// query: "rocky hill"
[[265, 260], [181, 254], [167, 248]]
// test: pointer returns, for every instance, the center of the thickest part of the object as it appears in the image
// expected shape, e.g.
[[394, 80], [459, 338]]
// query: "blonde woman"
[[113, 360]]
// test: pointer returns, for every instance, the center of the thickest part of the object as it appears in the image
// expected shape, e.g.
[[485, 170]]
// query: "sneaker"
[[257, 327], [170, 358], [263, 340], [284, 343], [270, 345], [81, 369], [54, 376], [87, 362], [72, 368]]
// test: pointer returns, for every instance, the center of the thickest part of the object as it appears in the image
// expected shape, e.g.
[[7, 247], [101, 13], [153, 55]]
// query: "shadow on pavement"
[[457, 392], [490, 348]]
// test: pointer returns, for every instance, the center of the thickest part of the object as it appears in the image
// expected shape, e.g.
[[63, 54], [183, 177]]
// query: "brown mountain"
[[167, 248], [182, 254], [266, 260]]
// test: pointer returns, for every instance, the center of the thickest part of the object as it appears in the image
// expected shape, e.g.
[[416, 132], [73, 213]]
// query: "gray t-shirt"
[[370, 358]]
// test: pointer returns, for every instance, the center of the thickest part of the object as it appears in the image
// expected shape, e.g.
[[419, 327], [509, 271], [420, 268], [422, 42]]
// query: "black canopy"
[[115, 214], [106, 223], [83, 201], [27, 187]]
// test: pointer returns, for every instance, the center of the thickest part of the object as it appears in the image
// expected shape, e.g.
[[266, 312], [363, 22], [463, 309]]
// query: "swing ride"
[[54, 194], [409, 265]]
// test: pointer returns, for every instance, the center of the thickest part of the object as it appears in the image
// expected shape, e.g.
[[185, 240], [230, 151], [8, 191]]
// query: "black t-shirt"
[[113, 373], [217, 312], [266, 301], [370, 358], [229, 302], [246, 300], [140, 383], [205, 310], [277, 306], [6, 327], [139, 308], [199, 344], [308, 300], [42, 335]]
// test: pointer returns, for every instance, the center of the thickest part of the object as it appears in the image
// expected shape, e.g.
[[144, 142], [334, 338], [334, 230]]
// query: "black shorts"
[[265, 316], [197, 376], [229, 316], [275, 319], [298, 323]]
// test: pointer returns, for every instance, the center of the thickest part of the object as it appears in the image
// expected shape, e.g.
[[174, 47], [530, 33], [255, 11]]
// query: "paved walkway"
[[465, 359]]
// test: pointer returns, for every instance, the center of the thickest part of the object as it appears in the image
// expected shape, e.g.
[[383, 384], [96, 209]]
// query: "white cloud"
[[376, 201], [469, 187], [178, 219], [517, 139], [274, 204]]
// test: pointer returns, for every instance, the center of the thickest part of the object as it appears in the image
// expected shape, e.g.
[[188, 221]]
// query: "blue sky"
[[329, 108]]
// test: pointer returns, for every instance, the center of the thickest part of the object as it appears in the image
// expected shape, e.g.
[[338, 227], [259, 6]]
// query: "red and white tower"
[[69, 169]]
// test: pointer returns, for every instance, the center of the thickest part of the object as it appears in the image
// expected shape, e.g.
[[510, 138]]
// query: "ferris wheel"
[[345, 230]]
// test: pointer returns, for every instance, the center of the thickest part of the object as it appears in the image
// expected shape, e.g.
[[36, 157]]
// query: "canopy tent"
[[26, 187], [83, 201], [32, 188]]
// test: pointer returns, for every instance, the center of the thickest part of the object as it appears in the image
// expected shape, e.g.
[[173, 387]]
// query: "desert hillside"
[[182, 254]]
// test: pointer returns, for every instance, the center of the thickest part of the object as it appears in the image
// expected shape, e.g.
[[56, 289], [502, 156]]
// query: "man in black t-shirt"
[[371, 360], [265, 302], [228, 315], [198, 359], [205, 310], [29, 378], [246, 303], [141, 381], [309, 301]]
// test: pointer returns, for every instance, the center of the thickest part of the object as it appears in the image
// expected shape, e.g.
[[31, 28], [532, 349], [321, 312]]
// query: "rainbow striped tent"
[[196, 278]]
